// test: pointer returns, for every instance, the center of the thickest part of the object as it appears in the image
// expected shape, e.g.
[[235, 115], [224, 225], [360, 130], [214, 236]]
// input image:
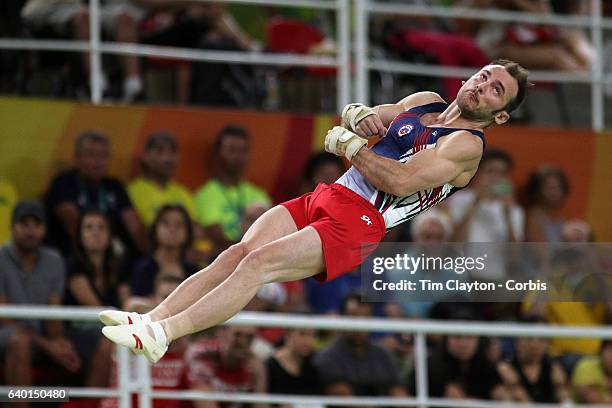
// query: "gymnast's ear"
[[501, 117]]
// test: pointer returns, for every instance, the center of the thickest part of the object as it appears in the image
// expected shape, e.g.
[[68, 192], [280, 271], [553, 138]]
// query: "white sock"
[[160, 334]]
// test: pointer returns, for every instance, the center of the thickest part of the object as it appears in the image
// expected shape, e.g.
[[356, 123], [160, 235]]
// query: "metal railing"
[[595, 23], [96, 47], [420, 328], [364, 63]]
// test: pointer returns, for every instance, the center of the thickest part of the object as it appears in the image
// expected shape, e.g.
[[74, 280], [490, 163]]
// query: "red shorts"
[[350, 227]]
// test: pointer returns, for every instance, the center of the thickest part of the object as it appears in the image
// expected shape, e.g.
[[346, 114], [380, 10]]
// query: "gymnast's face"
[[483, 96]]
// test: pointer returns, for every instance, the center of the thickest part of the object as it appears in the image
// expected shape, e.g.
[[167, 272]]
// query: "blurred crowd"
[[93, 241], [217, 26]]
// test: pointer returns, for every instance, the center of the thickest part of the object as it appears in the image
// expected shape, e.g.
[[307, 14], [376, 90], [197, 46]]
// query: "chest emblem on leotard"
[[404, 130]]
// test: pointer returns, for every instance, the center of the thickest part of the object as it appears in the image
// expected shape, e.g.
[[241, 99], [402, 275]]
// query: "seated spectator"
[[88, 186], [172, 236], [353, 365], [531, 375], [459, 369], [91, 272], [485, 211], [118, 18], [546, 192], [92, 281], [168, 373], [435, 39], [198, 25], [592, 377], [534, 46], [321, 167], [8, 199], [32, 274], [225, 363], [290, 369], [155, 186], [431, 227], [221, 202]]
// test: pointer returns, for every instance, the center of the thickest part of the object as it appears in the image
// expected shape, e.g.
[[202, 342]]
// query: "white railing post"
[[597, 84], [361, 51], [124, 380], [95, 59], [420, 365], [344, 55], [145, 386]]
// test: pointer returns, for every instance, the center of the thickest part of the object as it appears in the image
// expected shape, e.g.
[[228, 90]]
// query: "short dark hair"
[[230, 130], [521, 75], [497, 154], [159, 139], [90, 135]]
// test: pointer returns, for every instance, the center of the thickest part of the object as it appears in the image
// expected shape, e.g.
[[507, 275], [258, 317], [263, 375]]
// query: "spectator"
[[8, 199], [459, 369], [118, 18], [486, 210], [353, 365], [168, 373], [91, 271], [434, 39], [32, 274], [88, 186], [92, 281], [221, 202], [531, 375], [546, 192], [225, 363], [572, 270], [199, 25], [321, 167], [592, 378], [431, 227], [172, 236], [155, 186], [534, 46], [290, 369]]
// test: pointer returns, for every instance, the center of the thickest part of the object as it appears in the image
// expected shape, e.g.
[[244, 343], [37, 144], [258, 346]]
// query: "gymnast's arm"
[[376, 125], [454, 160]]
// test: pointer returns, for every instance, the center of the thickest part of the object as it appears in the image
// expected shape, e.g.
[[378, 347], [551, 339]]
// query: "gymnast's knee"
[[254, 267], [238, 250]]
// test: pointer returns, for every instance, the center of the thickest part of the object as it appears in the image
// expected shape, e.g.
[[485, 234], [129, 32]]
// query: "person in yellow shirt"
[[8, 199], [592, 378], [155, 188]]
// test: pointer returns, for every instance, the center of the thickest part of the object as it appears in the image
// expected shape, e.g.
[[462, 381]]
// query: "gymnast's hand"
[[370, 126], [342, 142]]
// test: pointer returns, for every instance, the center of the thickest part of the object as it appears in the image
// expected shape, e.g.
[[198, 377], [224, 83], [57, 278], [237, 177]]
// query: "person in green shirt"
[[155, 188], [221, 202]]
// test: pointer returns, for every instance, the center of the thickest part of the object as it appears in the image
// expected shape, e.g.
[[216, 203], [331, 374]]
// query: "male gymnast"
[[430, 150]]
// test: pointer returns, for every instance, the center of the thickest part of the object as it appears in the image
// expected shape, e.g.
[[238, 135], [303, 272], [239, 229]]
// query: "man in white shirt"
[[486, 211]]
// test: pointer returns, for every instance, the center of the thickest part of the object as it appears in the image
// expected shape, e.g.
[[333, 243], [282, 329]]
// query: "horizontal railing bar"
[[343, 323], [238, 57], [482, 14]]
